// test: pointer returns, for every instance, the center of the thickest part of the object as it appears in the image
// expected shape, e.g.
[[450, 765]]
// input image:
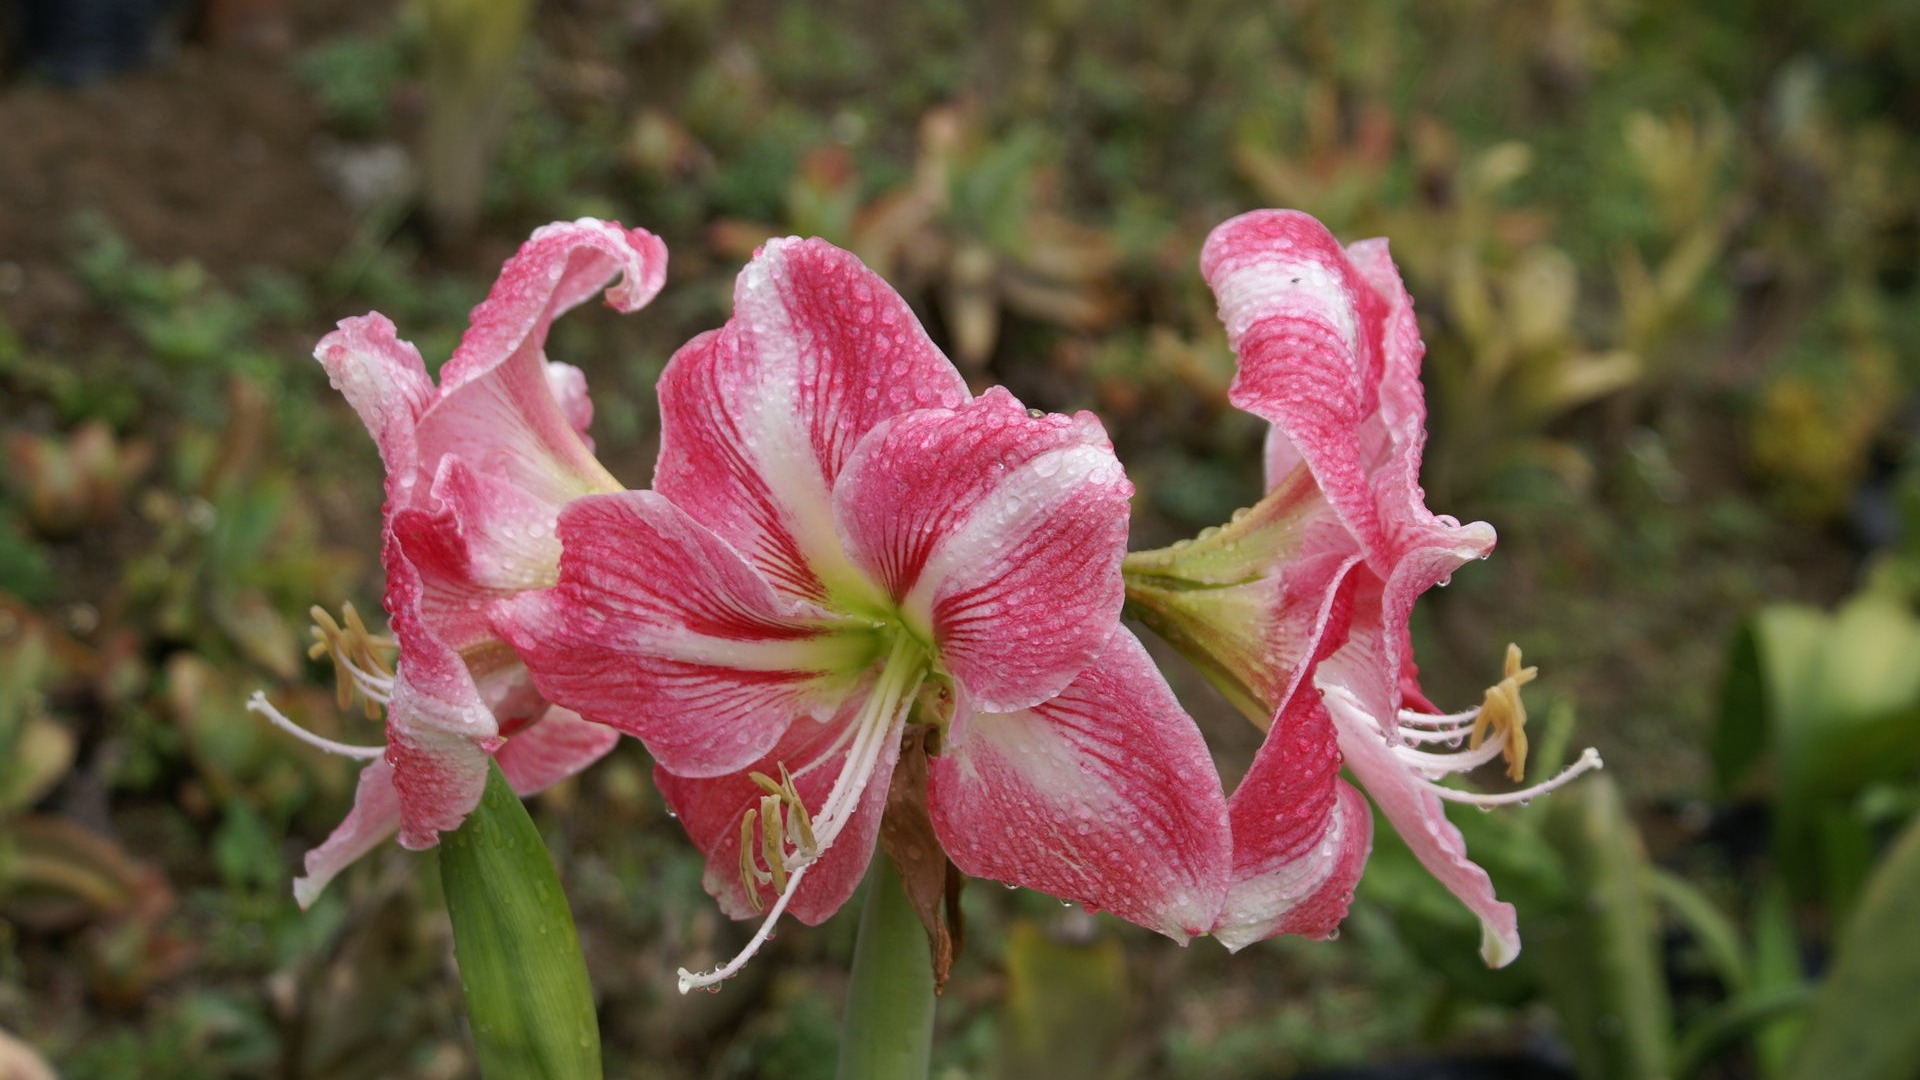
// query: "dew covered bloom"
[[477, 469], [1299, 608], [842, 541]]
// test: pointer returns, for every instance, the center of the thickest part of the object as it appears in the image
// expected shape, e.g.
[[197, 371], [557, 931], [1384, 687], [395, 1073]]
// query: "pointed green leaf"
[[528, 998]]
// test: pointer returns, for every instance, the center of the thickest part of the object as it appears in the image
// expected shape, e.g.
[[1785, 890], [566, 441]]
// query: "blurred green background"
[[1665, 258]]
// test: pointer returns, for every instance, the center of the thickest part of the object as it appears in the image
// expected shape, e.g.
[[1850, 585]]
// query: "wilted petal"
[[711, 811], [1104, 794], [1300, 834], [551, 749], [658, 628], [374, 817], [999, 535], [758, 418]]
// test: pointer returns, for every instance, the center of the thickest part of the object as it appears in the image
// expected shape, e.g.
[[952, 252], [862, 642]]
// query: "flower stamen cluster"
[[1505, 714], [879, 725], [359, 658]]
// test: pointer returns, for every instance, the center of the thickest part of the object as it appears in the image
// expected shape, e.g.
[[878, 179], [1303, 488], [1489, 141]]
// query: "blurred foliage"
[[1663, 255]]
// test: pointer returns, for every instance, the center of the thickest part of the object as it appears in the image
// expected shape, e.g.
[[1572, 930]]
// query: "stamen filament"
[[1437, 765], [258, 703], [1411, 718]]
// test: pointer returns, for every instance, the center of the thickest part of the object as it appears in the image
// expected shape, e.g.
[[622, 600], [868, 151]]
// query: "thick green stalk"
[[528, 998], [888, 1032]]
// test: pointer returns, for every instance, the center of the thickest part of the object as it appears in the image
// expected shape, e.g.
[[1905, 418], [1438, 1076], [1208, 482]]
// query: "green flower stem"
[[888, 1032], [528, 998]]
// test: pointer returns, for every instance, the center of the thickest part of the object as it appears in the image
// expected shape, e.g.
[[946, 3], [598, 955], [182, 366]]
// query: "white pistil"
[[881, 719], [258, 703], [1589, 761]]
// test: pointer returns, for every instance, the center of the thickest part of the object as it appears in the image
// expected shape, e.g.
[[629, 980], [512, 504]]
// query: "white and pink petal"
[[1103, 795], [1419, 816], [1300, 834], [1306, 327], [374, 818], [551, 749], [999, 535], [658, 628], [759, 418]]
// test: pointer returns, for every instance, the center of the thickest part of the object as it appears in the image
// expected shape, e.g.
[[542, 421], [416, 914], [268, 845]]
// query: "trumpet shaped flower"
[[842, 541], [1299, 608], [477, 470]]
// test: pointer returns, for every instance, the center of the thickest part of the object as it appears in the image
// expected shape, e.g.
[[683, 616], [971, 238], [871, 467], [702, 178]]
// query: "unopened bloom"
[[1299, 608], [477, 469], [842, 541]]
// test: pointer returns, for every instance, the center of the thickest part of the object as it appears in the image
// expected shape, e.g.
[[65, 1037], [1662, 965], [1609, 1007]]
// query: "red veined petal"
[[999, 534], [551, 749], [1300, 834], [758, 418], [659, 629], [1103, 794]]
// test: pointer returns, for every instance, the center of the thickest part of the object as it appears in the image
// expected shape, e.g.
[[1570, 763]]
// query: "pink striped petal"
[[1307, 328], [485, 540], [813, 752], [498, 406], [1253, 602], [758, 418], [561, 266], [999, 534], [437, 721], [385, 381], [659, 629], [374, 817], [1421, 820], [551, 749], [438, 777], [1300, 834], [1104, 794], [1364, 712]]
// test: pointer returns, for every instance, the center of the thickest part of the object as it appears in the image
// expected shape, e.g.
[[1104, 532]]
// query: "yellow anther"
[[751, 876], [353, 648], [772, 845], [799, 821], [1504, 712], [784, 823]]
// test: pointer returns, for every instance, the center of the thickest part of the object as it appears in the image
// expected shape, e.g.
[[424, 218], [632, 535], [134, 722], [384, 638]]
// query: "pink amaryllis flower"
[[842, 541], [478, 469], [1299, 609]]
